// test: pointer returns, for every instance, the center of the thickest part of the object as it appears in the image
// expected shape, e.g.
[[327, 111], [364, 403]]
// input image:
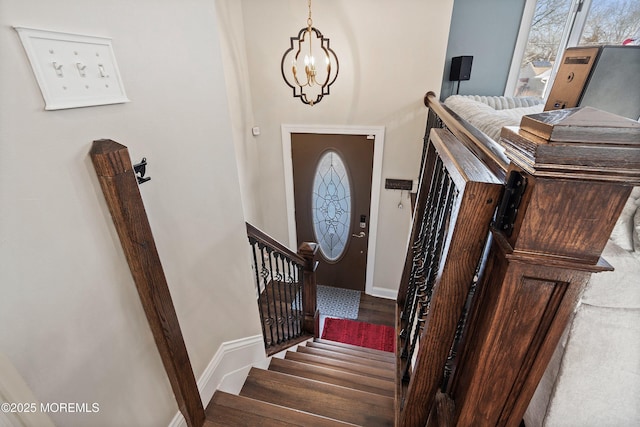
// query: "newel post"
[[571, 173], [311, 324]]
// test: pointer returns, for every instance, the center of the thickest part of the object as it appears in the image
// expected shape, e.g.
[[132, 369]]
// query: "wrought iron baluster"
[[422, 288], [420, 321], [277, 283], [419, 246], [462, 323], [291, 284], [300, 294], [279, 276], [430, 215], [287, 300], [444, 215], [418, 289], [265, 273], [440, 231], [431, 219], [287, 293], [277, 298], [253, 244], [296, 279], [435, 246]]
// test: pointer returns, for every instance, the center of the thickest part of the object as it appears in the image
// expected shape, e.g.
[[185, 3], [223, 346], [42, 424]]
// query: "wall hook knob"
[[140, 169]]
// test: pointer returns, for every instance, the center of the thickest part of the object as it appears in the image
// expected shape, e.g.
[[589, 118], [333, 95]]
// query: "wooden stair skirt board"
[[321, 384]]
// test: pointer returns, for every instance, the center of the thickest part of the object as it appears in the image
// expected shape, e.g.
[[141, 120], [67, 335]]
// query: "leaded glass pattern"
[[331, 205]]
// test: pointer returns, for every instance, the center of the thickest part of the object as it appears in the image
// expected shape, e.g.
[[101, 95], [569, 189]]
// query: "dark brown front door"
[[332, 187]]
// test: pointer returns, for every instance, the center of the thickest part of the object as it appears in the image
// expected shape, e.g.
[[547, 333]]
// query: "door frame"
[[377, 132]]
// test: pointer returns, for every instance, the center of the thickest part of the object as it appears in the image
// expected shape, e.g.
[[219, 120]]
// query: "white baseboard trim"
[[384, 293], [229, 364]]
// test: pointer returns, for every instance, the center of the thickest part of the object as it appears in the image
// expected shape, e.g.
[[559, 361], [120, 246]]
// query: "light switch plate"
[[73, 70]]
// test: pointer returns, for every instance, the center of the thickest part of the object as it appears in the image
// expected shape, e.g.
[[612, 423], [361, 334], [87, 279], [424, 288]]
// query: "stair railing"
[[285, 290], [500, 248], [122, 195], [457, 197]]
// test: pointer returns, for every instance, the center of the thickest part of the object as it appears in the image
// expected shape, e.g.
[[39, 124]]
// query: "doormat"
[[363, 334], [338, 302]]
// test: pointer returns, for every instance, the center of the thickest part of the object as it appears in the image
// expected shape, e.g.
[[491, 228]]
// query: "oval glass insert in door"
[[331, 205]]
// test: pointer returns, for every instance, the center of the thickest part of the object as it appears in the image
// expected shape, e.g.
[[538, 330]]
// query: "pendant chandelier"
[[309, 66]]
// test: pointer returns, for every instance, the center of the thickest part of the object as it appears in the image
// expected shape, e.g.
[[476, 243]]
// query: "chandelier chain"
[[309, 20]]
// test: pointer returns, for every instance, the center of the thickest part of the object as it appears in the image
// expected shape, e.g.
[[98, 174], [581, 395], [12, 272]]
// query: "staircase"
[[502, 293], [323, 383]]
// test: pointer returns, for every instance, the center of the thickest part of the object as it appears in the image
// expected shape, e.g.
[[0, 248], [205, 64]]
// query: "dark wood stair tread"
[[347, 357], [358, 368], [341, 403], [383, 356], [225, 417], [334, 376], [351, 346], [227, 409]]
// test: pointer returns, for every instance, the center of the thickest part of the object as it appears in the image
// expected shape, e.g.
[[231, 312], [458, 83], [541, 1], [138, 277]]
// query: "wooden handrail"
[[486, 149], [120, 187], [269, 241]]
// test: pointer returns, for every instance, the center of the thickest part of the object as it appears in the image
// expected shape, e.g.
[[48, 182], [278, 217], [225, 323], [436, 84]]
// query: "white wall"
[[390, 52], [72, 323], [236, 72]]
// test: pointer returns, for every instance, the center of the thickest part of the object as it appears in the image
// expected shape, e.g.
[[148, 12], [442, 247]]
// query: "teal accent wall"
[[486, 30]]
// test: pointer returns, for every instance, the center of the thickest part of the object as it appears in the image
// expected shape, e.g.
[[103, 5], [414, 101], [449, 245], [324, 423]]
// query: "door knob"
[[359, 235]]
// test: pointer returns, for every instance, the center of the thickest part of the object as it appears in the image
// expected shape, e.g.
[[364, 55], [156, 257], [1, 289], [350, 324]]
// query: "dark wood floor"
[[379, 311]]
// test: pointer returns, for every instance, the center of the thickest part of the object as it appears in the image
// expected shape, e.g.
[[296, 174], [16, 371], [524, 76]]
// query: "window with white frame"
[[548, 27]]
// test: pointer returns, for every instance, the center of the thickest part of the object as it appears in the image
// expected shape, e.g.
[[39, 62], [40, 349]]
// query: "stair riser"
[[230, 410], [385, 357], [333, 376], [347, 358], [353, 406], [385, 374]]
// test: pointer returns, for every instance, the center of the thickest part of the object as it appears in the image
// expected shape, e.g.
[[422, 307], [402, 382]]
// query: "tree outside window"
[[610, 22]]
